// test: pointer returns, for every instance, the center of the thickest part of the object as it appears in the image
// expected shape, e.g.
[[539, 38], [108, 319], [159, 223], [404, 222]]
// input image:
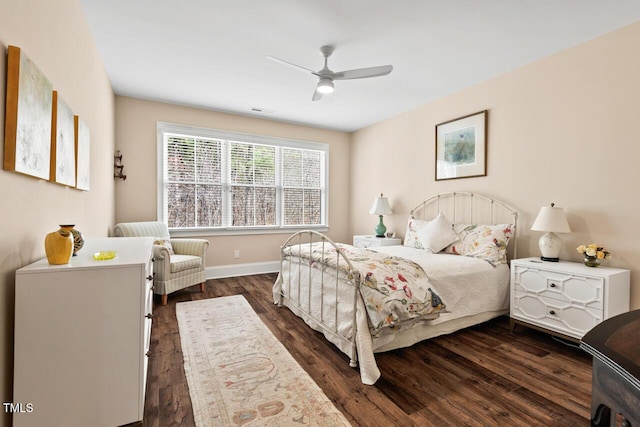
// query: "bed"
[[451, 272]]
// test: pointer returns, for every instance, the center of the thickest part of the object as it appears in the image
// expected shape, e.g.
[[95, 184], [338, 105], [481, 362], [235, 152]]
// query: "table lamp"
[[380, 207], [551, 220]]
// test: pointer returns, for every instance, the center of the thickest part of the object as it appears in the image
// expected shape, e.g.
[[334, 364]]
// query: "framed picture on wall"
[[461, 147]]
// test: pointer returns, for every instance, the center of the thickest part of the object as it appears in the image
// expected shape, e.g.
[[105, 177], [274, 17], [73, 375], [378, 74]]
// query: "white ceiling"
[[212, 53]]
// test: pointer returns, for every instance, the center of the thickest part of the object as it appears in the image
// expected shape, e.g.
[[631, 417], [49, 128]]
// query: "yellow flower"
[[594, 250]]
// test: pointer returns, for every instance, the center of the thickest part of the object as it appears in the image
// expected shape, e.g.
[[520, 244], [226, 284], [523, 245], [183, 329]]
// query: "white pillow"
[[437, 234]]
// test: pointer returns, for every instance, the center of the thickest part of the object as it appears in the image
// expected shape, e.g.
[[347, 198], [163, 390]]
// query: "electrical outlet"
[[236, 253]]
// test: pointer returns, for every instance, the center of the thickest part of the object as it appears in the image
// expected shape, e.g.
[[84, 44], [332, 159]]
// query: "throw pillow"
[[166, 243], [487, 242], [411, 235], [437, 234]]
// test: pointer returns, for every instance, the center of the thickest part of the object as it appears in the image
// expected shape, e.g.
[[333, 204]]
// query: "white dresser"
[[566, 298], [82, 333]]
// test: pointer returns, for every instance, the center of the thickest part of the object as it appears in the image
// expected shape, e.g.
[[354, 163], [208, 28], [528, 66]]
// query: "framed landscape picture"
[[461, 147]]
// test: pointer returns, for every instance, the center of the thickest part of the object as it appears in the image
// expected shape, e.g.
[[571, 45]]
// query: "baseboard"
[[234, 270]]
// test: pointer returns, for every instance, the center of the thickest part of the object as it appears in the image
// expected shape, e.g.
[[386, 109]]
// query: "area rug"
[[240, 374]]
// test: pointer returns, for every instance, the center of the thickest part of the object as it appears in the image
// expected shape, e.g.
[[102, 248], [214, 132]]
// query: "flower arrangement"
[[593, 254]]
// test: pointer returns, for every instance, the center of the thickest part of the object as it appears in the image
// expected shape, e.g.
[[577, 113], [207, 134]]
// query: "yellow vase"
[[58, 245]]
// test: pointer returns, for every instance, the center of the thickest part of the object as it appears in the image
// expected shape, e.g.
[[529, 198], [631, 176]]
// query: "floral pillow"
[[411, 235], [488, 242], [437, 234]]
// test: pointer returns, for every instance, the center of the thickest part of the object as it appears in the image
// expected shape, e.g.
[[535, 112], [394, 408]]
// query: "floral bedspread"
[[394, 290]]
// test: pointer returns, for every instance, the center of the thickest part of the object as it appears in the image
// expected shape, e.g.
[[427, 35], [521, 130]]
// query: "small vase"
[[591, 261], [58, 245], [78, 240]]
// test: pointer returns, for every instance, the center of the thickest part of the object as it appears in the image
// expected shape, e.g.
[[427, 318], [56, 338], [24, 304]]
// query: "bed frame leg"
[[354, 356]]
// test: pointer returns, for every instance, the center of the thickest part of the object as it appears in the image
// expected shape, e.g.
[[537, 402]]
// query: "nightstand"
[[371, 241], [566, 299]]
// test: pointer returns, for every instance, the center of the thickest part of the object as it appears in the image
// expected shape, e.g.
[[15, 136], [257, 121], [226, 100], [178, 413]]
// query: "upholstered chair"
[[178, 263]]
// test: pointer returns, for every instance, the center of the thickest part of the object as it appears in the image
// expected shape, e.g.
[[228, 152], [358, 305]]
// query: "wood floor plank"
[[482, 376]]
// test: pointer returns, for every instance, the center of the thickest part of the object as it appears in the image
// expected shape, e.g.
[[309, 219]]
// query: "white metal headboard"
[[469, 208]]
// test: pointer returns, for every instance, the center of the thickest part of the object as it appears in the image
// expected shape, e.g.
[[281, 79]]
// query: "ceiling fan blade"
[[289, 64], [316, 95], [363, 73]]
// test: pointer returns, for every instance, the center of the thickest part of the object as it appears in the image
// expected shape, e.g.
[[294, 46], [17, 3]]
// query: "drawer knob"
[[552, 312], [553, 285], [149, 316], [148, 353], [150, 277]]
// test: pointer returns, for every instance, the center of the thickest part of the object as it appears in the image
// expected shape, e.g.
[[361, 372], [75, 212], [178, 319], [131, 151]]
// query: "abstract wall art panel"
[[63, 146], [82, 154], [27, 144]]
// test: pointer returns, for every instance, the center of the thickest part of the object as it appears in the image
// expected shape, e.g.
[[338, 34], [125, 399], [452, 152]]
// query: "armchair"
[[178, 263]]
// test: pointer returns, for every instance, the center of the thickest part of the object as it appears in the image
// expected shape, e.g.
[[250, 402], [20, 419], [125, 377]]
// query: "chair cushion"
[[184, 262]]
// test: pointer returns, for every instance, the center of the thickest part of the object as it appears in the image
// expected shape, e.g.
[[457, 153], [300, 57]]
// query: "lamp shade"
[[551, 219], [380, 206]]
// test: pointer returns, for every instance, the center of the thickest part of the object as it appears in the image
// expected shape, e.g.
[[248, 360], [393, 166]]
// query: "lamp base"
[[550, 245], [380, 228]]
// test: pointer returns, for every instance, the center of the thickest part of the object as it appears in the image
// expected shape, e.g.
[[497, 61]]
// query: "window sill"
[[205, 232]]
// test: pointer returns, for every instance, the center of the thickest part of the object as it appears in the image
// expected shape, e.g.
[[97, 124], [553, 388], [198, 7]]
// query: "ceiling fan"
[[326, 76]]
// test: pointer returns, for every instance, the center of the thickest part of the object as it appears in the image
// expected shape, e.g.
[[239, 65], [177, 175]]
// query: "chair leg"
[[165, 297], [202, 286]]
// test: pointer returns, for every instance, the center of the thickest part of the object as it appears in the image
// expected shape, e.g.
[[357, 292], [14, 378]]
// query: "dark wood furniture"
[[615, 347]]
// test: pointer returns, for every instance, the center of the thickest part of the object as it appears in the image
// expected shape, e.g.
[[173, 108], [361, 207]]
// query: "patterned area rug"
[[240, 374]]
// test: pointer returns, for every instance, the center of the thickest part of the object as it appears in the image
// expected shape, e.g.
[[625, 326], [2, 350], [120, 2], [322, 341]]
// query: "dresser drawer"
[[579, 289], [564, 316]]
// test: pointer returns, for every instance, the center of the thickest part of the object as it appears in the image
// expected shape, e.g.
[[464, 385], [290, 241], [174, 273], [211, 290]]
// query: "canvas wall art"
[[82, 154], [27, 144], [63, 155]]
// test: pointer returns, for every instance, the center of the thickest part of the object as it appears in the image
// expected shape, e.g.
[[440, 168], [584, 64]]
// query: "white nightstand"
[[566, 298], [371, 241]]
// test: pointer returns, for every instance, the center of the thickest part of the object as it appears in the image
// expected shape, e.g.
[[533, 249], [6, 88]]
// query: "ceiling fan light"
[[325, 85]]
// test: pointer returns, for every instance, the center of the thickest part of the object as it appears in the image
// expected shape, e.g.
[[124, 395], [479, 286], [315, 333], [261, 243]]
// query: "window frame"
[[202, 132]]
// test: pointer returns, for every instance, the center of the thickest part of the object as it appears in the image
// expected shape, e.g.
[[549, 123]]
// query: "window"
[[222, 181]]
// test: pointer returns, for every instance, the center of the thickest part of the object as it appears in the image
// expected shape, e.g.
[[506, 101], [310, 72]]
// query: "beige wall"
[[55, 36], [136, 200], [563, 130]]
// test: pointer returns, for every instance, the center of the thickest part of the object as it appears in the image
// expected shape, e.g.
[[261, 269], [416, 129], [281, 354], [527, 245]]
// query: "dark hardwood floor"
[[481, 376]]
